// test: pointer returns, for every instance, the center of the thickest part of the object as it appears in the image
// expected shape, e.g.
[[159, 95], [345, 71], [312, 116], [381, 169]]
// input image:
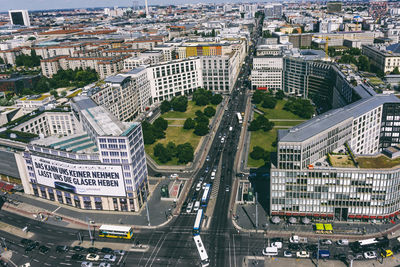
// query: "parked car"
[[77, 257], [370, 255], [287, 254], [343, 242], [104, 264], [302, 254], [386, 253], [43, 249], [26, 242], [87, 264], [60, 249], [78, 248], [92, 257], [107, 250], [277, 244], [325, 242], [109, 257], [270, 251], [298, 240], [92, 250], [119, 252]]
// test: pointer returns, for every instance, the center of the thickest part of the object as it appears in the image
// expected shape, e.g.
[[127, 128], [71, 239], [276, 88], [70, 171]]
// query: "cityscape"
[[139, 133]]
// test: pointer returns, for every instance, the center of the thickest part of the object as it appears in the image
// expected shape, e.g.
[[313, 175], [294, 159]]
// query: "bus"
[[204, 199], [239, 117], [202, 251], [197, 222], [370, 244], [116, 231]]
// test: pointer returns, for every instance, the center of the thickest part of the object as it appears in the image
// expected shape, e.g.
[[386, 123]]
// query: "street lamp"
[[147, 205], [90, 233]]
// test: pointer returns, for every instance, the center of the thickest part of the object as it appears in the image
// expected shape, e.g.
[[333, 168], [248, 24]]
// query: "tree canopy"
[[300, 107], [165, 106], [261, 123], [28, 61], [179, 103]]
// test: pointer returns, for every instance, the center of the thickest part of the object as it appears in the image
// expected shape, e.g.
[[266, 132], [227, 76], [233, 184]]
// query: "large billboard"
[[101, 180]]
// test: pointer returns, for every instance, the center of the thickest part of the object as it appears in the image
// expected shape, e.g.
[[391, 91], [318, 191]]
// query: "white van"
[[189, 207], [270, 251], [196, 206], [212, 175]]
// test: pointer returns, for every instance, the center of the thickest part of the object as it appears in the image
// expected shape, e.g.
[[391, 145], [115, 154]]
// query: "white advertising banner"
[[101, 180]]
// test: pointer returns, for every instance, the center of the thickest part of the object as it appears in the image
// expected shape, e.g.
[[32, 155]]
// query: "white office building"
[[267, 73], [19, 17]]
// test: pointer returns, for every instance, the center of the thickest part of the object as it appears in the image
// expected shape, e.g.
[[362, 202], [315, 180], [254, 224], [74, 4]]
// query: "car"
[[60, 249], [77, 257], [28, 249], [287, 254], [104, 264], [227, 188], [208, 158], [343, 242], [325, 242], [312, 247], [92, 257], [189, 207], [119, 252], [201, 178], [196, 206], [370, 255], [270, 251], [222, 140], [386, 253], [78, 248], [43, 249], [212, 175], [277, 244], [302, 254], [110, 257], [198, 186], [92, 250], [26, 242], [206, 169], [204, 186], [174, 176], [87, 264], [107, 250]]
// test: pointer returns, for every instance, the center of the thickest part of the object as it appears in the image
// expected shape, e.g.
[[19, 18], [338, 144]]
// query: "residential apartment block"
[[175, 78]]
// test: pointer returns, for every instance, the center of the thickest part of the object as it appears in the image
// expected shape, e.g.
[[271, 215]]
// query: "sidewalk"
[[246, 221], [31, 206]]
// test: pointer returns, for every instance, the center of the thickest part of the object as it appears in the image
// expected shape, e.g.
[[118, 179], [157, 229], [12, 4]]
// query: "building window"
[[87, 203], [43, 192], [115, 201], [98, 204], [51, 193], [77, 202], [68, 198], [124, 206], [59, 196]]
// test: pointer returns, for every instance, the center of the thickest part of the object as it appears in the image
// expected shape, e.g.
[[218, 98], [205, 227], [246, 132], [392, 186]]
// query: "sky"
[[6, 5]]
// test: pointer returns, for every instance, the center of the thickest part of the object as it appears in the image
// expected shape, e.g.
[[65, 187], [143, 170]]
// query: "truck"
[[298, 240]]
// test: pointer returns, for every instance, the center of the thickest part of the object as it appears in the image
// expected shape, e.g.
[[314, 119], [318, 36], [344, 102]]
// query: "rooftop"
[[115, 79], [333, 117], [377, 162]]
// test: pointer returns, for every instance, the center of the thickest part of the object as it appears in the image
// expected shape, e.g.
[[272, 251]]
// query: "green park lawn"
[[278, 112], [191, 109], [265, 139], [178, 135]]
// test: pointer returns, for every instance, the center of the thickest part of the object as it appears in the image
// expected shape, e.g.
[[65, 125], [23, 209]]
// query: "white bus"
[[202, 251], [197, 222], [116, 231], [239, 117], [204, 198]]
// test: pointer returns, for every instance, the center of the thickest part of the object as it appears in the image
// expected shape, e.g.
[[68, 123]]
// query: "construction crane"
[[326, 44]]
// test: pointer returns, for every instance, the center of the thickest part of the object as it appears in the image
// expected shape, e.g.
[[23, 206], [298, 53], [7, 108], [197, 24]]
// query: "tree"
[[258, 97], [165, 106], [300, 107], [199, 113], [396, 70], [1, 61], [254, 125], [54, 93], [213, 33], [295, 31], [63, 93], [363, 63], [201, 129], [279, 94], [189, 124], [185, 153], [216, 99], [161, 153], [161, 123], [201, 100], [179, 103], [31, 38], [277, 29], [269, 102], [209, 111], [257, 153], [202, 119], [171, 149]]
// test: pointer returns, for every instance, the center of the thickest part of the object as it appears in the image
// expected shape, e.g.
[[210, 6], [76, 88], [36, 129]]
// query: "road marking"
[[35, 260], [25, 256], [59, 232], [47, 264], [64, 263], [158, 250], [53, 257], [56, 209], [229, 250], [51, 244], [234, 250]]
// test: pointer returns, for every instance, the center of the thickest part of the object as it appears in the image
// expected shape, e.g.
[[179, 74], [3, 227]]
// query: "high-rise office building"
[[19, 17]]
